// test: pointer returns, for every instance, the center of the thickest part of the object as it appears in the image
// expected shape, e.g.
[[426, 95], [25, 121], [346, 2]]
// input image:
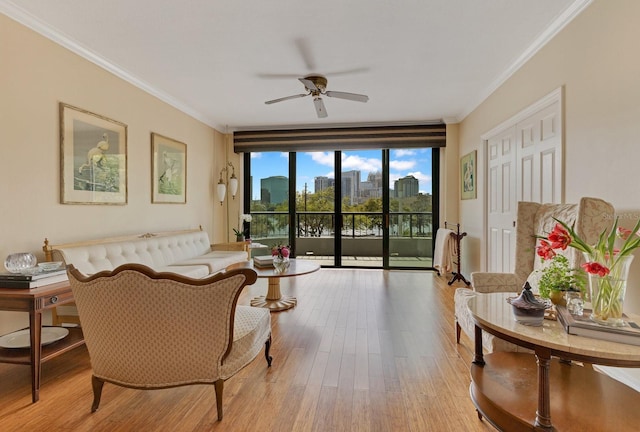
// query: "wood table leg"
[[543, 413], [35, 336], [478, 357], [274, 300]]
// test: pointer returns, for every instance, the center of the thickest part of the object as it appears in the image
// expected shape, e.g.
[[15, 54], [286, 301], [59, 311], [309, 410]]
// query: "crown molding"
[[25, 18], [556, 26]]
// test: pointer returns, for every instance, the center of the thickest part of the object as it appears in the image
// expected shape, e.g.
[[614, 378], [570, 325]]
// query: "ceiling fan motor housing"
[[319, 81]]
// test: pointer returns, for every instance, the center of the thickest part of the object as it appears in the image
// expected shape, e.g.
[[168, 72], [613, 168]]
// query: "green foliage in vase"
[[558, 276]]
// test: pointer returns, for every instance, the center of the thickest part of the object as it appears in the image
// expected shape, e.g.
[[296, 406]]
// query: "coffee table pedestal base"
[[274, 300]]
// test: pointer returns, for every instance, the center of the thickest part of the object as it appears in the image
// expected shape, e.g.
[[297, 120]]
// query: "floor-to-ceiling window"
[[352, 208]]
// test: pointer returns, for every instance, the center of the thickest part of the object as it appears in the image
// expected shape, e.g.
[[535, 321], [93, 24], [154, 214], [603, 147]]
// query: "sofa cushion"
[[216, 261], [192, 271]]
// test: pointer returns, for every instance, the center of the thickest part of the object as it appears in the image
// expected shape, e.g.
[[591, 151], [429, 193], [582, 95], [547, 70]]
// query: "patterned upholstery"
[[154, 330], [591, 217]]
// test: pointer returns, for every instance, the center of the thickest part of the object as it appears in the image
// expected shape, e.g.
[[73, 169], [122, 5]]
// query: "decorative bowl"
[[19, 262], [527, 309], [50, 266]]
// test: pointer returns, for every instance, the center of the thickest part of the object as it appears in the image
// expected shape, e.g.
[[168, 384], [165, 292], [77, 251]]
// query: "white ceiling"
[[219, 61]]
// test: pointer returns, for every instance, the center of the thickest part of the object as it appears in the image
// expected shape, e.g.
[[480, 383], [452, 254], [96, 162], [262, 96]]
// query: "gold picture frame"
[[169, 170], [468, 187], [93, 158]]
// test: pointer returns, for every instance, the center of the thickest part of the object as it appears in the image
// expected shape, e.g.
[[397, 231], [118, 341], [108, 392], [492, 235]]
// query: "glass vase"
[[280, 264], [19, 262], [607, 292]]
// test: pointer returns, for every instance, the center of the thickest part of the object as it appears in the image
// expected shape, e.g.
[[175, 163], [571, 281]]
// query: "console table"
[[576, 397], [35, 301]]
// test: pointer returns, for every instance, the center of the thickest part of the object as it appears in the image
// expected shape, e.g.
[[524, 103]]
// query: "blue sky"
[[416, 162]]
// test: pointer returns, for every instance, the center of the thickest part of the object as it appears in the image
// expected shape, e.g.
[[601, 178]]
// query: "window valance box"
[[347, 138]]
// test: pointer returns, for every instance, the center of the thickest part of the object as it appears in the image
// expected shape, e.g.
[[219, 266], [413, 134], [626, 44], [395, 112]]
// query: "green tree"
[[315, 224]]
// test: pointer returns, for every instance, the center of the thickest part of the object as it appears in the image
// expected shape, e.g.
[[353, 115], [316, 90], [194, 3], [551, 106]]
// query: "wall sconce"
[[233, 184]]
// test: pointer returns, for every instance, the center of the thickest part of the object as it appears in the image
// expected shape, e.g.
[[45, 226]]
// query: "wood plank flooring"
[[364, 350]]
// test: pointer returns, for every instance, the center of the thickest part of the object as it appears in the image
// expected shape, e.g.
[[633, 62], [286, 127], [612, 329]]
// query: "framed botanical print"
[[168, 170], [93, 158], [468, 176]]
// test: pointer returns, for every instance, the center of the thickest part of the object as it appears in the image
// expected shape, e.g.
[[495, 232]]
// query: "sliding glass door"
[[360, 208]]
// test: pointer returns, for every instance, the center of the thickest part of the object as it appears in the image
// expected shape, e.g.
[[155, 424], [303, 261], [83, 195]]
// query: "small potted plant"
[[239, 235], [557, 277]]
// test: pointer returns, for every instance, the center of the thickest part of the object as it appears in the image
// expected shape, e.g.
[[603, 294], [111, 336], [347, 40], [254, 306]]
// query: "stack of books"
[[18, 280], [582, 325], [263, 261]]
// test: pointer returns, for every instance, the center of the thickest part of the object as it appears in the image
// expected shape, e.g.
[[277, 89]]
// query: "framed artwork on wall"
[[168, 170], [468, 176], [93, 158]]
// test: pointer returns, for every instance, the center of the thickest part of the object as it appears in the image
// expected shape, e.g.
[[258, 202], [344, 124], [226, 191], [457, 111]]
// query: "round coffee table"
[[274, 300]]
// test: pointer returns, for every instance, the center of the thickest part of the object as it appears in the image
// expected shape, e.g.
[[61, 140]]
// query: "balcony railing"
[[275, 225]]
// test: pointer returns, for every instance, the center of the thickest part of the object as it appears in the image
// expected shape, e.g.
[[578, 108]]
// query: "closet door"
[[524, 163], [539, 154], [501, 197]]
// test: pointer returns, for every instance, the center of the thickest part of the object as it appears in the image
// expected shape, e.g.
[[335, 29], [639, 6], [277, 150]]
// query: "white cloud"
[[284, 155], [356, 162], [323, 158], [422, 178], [255, 155], [393, 177], [403, 152], [402, 165]]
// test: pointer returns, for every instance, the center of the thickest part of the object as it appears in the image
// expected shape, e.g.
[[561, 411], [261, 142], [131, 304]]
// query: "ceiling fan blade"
[[349, 96], [309, 84], [320, 109], [304, 49], [328, 74], [286, 98]]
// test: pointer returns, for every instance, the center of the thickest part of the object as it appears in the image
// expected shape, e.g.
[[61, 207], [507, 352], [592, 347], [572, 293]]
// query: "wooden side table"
[[35, 301], [568, 396]]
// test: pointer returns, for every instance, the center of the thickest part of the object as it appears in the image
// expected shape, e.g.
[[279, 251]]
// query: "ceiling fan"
[[316, 86]]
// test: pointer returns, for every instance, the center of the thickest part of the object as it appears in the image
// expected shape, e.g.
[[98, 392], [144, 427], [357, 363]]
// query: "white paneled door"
[[501, 204], [524, 163]]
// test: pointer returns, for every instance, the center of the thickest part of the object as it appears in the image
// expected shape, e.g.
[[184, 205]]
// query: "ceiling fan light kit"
[[316, 86]]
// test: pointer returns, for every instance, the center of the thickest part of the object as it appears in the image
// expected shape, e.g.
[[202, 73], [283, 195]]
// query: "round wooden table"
[[521, 391], [274, 300]]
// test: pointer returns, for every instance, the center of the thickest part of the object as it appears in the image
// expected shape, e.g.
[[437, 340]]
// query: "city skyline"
[[403, 162]]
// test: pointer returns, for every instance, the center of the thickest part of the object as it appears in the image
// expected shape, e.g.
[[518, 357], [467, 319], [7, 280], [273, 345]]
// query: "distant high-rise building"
[[351, 185], [406, 187], [372, 188], [321, 183], [274, 189]]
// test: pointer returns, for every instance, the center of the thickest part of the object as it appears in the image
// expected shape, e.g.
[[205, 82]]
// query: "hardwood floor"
[[364, 350]]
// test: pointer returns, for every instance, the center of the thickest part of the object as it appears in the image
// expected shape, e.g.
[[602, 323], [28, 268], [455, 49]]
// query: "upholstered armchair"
[[149, 330], [591, 216]]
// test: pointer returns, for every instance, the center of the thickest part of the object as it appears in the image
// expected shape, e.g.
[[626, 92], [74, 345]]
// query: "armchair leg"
[[97, 385], [267, 348], [458, 328], [219, 386]]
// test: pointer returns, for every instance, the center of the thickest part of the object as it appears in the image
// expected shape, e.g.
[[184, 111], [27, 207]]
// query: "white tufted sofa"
[[186, 253]]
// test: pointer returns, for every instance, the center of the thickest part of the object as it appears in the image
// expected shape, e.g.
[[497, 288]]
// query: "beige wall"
[[595, 58], [35, 75]]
